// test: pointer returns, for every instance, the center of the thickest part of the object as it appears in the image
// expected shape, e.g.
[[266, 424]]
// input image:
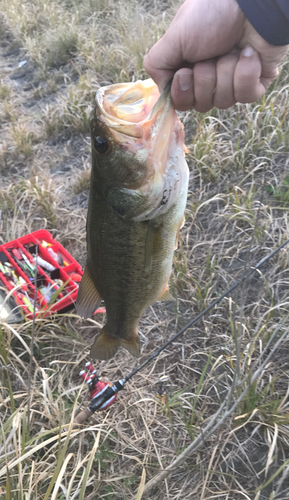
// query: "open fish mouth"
[[129, 101], [132, 108]]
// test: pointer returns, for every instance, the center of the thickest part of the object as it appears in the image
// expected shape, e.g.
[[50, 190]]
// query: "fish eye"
[[101, 144]]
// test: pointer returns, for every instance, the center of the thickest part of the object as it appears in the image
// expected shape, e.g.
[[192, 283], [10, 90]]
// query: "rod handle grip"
[[82, 416]]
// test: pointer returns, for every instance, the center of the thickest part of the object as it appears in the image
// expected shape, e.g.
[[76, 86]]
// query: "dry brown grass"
[[237, 212]]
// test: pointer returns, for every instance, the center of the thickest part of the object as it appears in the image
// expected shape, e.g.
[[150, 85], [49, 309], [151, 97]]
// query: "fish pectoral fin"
[[106, 346], [178, 231], [149, 244], [166, 295], [88, 297]]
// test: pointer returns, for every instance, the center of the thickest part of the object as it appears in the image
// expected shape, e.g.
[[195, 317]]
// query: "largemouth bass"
[[138, 192]]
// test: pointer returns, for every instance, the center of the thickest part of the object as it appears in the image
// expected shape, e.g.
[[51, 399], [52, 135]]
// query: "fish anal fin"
[[88, 297], [166, 295], [106, 346]]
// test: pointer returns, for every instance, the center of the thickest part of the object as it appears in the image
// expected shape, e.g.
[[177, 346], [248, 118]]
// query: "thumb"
[[270, 56], [247, 84]]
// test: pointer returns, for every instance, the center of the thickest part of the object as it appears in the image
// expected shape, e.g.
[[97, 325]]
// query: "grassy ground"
[[233, 366]]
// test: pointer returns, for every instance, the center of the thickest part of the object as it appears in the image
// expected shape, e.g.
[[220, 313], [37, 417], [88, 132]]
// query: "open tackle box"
[[58, 277]]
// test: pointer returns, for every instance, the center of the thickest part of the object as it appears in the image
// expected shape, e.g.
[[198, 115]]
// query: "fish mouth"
[[132, 109], [147, 132]]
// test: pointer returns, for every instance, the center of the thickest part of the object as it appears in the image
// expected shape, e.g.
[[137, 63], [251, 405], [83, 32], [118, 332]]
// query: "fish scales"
[[137, 199], [131, 289]]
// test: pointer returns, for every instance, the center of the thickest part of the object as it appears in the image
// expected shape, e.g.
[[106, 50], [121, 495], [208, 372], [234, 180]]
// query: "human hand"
[[215, 57]]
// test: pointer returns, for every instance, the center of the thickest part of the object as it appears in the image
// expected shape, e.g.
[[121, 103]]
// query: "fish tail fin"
[[132, 345], [106, 346]]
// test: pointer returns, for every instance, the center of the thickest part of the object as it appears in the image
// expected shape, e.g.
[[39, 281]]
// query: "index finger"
[[157, 66]]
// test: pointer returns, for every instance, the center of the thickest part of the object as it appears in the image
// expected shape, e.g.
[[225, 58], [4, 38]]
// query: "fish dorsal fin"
[[166, 295], [88, 298]]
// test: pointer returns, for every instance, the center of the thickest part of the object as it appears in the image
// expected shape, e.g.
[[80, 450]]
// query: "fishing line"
[[213, 304], [103, 398], [98, 401]]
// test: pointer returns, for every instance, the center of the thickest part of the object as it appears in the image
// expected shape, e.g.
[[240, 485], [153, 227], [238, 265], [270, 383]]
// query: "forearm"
[[270, 18]]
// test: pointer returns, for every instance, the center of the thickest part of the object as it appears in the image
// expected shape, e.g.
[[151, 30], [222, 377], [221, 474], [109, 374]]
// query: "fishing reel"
[[102, 394]]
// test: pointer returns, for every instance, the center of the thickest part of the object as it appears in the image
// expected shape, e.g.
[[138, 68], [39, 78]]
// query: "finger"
[[157, 66], [159, 75], [182, 89], [247, 84], [224, 94], [199, 31], [205, 79], [270, 64]]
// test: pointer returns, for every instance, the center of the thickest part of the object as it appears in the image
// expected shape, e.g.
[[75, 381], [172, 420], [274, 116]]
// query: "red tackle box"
[[58, 274]]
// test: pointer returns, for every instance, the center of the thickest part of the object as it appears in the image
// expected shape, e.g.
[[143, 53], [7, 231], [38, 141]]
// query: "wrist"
[[252, 36]]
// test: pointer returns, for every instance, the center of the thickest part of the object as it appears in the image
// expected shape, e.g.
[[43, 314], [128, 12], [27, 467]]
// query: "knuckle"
[[205, 74]]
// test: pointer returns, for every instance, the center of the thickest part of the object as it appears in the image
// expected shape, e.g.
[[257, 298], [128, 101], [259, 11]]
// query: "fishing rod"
[[104, 394]]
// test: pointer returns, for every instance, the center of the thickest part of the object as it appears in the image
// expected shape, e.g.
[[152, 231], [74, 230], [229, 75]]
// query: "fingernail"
[[185, 81], [248, 51]]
